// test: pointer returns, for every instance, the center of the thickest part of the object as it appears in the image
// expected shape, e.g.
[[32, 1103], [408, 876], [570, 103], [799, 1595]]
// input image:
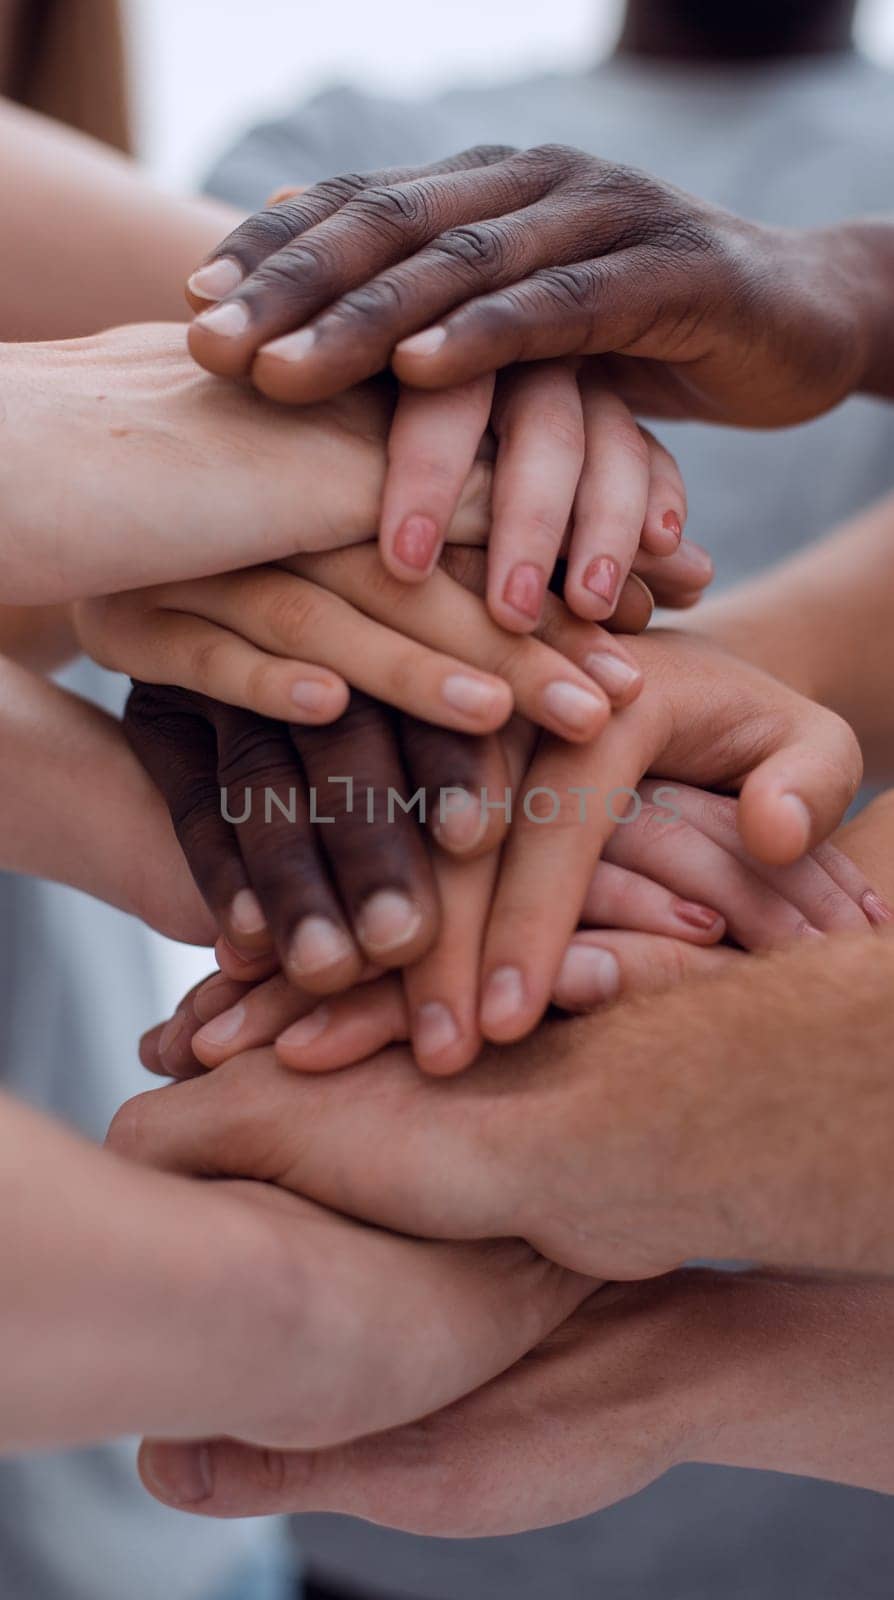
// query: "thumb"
[[799, 794]]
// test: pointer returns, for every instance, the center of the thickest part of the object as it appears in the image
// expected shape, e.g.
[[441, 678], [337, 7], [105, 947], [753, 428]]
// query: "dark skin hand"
[[330, 896], [499, 256]]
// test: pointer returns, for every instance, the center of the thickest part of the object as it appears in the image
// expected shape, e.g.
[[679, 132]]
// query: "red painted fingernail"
[[602, 577], [695, 915], [672, 523], [416, 542], [876, 909], [524, 589]]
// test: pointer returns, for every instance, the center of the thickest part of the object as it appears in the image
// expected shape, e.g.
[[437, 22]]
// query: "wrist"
[[784, 1392], [862, 255]]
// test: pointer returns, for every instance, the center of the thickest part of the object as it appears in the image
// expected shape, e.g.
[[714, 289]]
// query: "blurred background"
[[208, 68]]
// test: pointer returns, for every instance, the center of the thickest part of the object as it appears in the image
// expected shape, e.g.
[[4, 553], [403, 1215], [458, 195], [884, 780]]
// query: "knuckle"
[[484, 155], [473, 246], [339, 190], [293, 609], [377, 301], [208, 660], [561, 159], [255, 751], [517, 658], [293, 269], [563, 424], [655, 827], [575, 287], [675, 961], [624, 437], [399, 207]]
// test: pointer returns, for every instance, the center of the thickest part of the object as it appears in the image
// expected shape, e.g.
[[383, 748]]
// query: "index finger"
[[298, 255]]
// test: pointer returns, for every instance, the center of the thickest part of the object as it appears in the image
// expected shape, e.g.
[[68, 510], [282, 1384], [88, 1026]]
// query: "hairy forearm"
[[126, 261], [79, 809], [750, 1117], [821, 622]]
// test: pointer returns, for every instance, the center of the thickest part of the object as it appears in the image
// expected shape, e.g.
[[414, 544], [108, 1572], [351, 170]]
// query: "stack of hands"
[[431, 793]]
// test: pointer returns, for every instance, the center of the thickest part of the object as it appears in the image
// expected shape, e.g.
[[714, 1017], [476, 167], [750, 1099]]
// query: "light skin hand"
[[435, 654], [176, 476], [637, 935], [707, 1141], [120, 1318], [703, 718], [745, 1369], [573, 473]]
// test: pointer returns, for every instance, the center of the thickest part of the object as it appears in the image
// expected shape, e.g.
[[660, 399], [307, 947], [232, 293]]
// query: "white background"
[[205, 68]]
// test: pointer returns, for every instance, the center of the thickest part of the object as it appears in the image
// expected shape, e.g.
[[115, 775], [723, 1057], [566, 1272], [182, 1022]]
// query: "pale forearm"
[[116, 1293], [87, 242], [821, 622], [79, 809]]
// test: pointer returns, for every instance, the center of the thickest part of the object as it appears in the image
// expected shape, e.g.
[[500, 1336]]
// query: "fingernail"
[[223, 1028], [171, 1032], [672, 523], [308, 1029], [462, 822], [573, 706], [875, 908], [388, 919], [218, 278], [309, 694], [473, 696], [602, 577], [425, 343], [800, 817], [318, 943], [695, 915], [504, 996], [292, 346], [230, 318], [246, 915], [416, 541], [434, 1028], [615, 676], [806, 930], [179, 1473], [588, 975], [524, 589]]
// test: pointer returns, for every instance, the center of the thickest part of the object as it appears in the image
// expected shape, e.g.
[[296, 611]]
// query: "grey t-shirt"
[[79, 983], [801, 144]]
